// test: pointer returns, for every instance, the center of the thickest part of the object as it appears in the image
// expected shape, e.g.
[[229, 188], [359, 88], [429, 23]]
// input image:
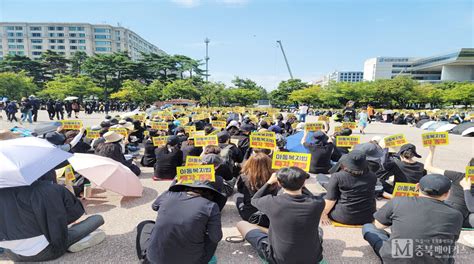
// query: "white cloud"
[[187, 3]]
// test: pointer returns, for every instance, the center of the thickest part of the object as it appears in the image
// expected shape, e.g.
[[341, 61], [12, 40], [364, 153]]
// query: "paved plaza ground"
[[341, 245]]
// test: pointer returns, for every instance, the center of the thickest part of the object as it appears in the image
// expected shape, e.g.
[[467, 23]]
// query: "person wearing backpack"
[[231, 155]]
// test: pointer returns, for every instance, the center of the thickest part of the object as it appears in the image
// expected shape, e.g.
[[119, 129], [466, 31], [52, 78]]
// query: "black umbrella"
[[461, 127], [421, 122], [44, 128]]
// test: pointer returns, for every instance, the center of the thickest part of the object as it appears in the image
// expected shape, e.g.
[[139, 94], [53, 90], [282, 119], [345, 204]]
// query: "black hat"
[[371, 150], [354, 160], [247, 127], [223, 136], [411, 147], [173, 141], [55, 138], [219, 198], [320, 137], [105, 123], [435, 184], [345, 132]]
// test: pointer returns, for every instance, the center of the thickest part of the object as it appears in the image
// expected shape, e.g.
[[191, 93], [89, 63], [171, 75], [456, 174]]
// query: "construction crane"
[[284, 56]]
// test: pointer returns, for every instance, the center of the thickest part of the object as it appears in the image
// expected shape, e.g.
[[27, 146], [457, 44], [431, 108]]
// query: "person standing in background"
[[303, 111], [363, 120], [370, 112], [35, 104]]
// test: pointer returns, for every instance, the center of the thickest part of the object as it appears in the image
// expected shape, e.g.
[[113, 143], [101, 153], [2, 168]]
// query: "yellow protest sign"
[[435, 139], [351, 125], [69, 174], [189, 129], [264, 134], [404, 189], [92, 134], [146, 133], [395, 140], [347, 141], [120, 130], [139, 117], [214, 132], [200, 116], [470, 173], [197, 133], [202, 141], [338, 129], [291, 159], [218, 124], [315, 126], [159, 125], [323, 118], [262, 140], [193, 161], [268, 119], [71, 124], [183, 121], [160, 141], [189, 174]]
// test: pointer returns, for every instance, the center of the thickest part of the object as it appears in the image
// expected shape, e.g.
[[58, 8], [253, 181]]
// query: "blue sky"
[[319, 36]]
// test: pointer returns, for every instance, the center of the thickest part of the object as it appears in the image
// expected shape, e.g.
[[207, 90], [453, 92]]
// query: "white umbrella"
[[468, 132], [70, 98], [24, 160], [445, 127], [107, 173], [427, 124]]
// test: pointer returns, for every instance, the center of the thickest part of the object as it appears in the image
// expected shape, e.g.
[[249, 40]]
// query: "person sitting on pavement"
[[294, 235], [222, 173], [112, 148], [350, 197], [36, 227], [404, 169], [149, 157], [425, 220], [255, 173], [188, 148], [187, 229], [320, 150], [59, 140], [168, 158], [456, 197], [339, 151]]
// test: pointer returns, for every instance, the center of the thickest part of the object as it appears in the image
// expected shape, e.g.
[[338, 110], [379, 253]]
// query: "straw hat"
[[112, 136]]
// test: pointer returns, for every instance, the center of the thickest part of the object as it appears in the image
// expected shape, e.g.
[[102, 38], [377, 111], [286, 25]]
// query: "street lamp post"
[[207, 40]]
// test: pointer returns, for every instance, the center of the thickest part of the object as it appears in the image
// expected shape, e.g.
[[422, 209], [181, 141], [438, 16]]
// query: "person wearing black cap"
[[404, 169], [456, 197], [294, 235], [320, 150], [350, 197], [188, 226], [188, 148], [168, 158], [425, 222], [149, 158], [244, 140]]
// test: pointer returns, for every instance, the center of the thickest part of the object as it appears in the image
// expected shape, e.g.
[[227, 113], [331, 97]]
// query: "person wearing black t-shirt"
[[456, 196], [294, 235], [424, 222], [320, 150], [350, 197], [168, 158], [404, 169]]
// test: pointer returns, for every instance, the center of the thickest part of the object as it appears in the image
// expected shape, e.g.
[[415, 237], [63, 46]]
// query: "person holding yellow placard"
[[320, 150], [149, 157], [168, 158], [456, 196]]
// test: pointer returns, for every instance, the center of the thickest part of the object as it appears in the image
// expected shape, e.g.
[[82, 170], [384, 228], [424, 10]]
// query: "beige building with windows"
[[32, 39]]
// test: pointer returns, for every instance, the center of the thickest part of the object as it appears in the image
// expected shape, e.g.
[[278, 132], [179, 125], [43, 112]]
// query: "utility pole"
[[207, 40], [284, 56]]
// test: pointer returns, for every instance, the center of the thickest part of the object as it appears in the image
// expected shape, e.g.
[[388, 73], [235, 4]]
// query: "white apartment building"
[[340, 76], [455, 66], [32, 39]]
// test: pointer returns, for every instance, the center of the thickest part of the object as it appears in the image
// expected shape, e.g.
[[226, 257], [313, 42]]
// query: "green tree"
[[16, 85], [17, 63], [77, 60], [212, 93], [309, 95], [181, 89], [53, 63], [154, 91], [242, 96], [101, 68], [280, 95], [132, 90], [65, 85], [250, 85], [462, 93]]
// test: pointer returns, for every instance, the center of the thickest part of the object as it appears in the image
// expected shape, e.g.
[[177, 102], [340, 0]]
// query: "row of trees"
[[160, 77]]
